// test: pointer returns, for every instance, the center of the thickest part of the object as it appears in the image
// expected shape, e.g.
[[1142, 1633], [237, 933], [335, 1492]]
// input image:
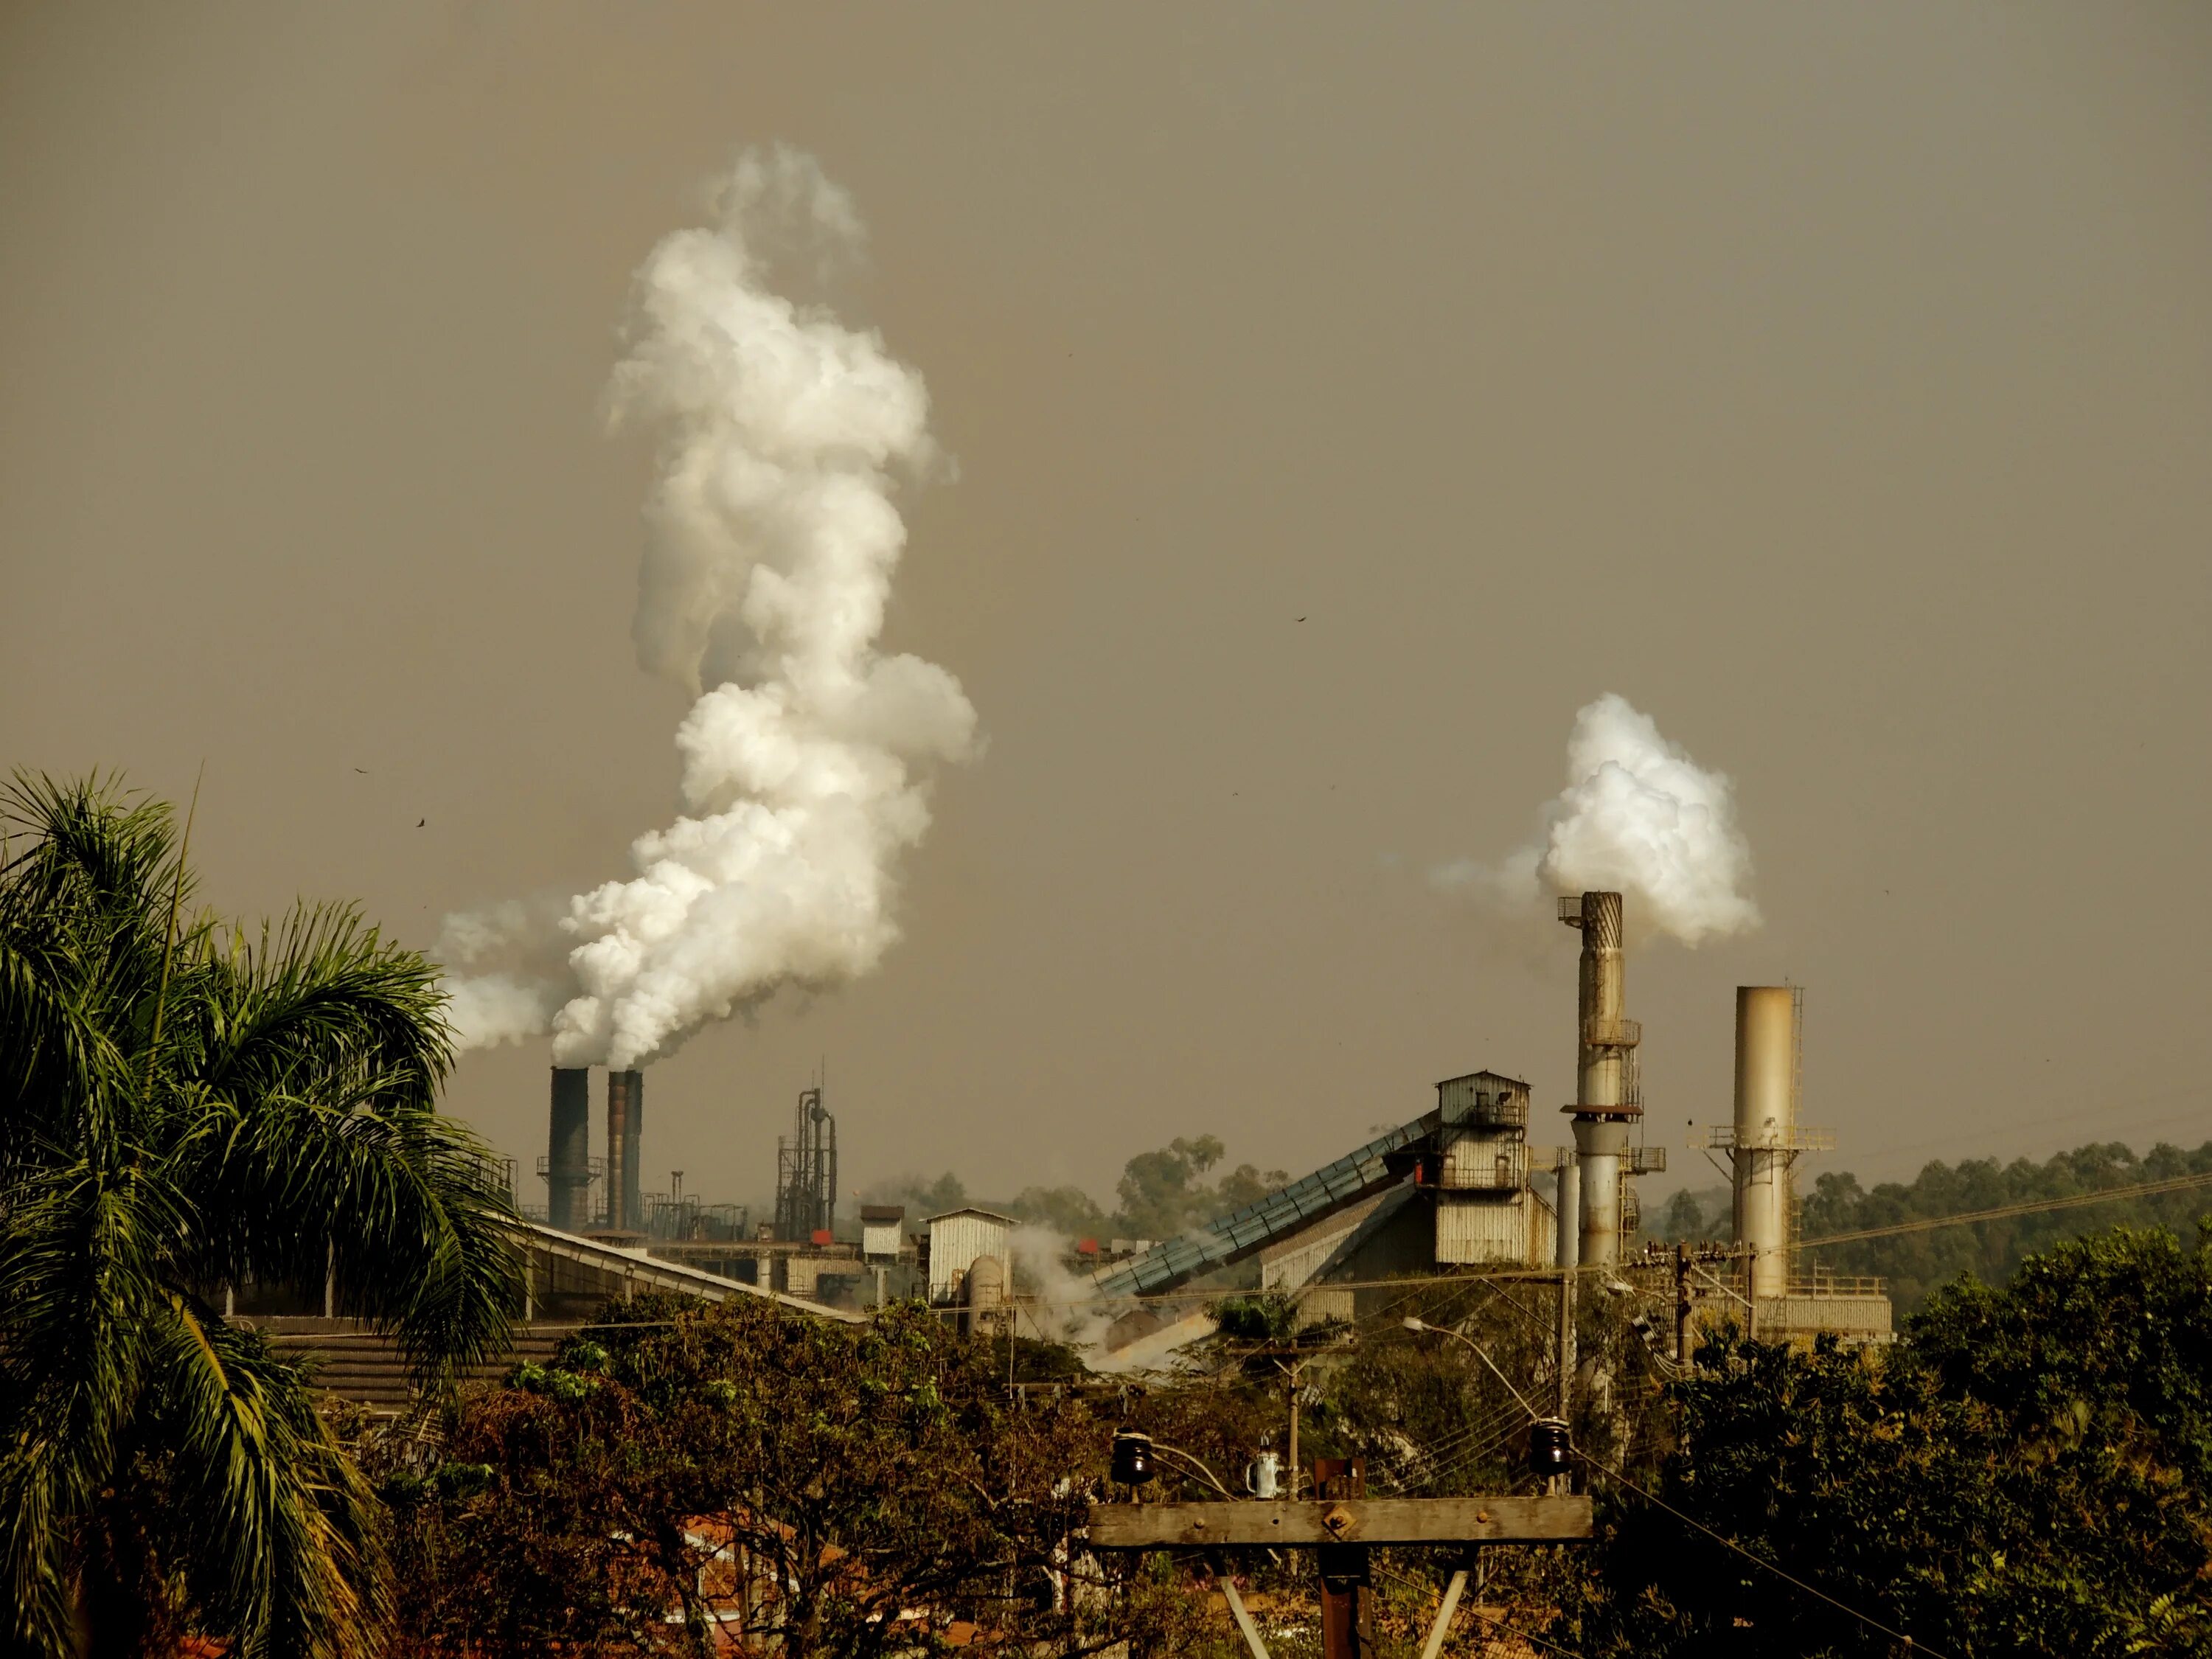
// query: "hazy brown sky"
[[1835, 383]]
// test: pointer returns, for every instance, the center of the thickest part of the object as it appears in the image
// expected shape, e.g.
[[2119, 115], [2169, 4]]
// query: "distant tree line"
[[1162, 1193], [1917, 1263]]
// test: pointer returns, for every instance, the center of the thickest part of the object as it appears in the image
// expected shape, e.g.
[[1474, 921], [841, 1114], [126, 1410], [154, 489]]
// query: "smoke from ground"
[[771, 541], [1638, 816]]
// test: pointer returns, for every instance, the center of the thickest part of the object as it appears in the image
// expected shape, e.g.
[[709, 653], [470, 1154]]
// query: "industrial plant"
[[1459, 1188]]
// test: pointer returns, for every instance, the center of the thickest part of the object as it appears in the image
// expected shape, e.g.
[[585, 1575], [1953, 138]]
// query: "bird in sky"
[[363, 770], [419, 822]]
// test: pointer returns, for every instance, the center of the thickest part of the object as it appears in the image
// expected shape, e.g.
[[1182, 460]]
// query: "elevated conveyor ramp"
[[1380, 1164], [617, 1272]]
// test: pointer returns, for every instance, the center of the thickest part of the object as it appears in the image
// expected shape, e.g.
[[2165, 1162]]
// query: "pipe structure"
[[1599, 1144], [568, 1149], [1605, 1091], [1567, 1249], [625, 1120], [1765, 1129]]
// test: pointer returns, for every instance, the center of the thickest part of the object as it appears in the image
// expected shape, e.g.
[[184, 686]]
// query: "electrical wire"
[[1871, 1622], [1443, 1452], [1526, 1636], [2033, 1206], [1474, 1456]]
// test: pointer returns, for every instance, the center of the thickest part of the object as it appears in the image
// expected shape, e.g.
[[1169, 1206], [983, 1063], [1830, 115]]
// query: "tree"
[[1068, 1211], [2027, 1470], [1915, 1263], [1163, 1193], [685, 1469], [184, 1105], [922, 1198]]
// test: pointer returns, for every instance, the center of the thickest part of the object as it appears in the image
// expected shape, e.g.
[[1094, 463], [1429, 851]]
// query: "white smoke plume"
[[1060, 1305], [771, 541], [1638, 816]]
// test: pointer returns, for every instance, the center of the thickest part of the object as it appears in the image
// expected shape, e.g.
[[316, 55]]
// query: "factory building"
[[1460, 1188]]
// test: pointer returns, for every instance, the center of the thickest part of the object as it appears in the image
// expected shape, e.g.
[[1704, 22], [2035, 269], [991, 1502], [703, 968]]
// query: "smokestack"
[[569, 1148], [625, 1122], [1606, 1095], [1767, 1034]]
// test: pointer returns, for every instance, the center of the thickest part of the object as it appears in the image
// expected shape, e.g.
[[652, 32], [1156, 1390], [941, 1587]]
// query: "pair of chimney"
[[567, 1157]]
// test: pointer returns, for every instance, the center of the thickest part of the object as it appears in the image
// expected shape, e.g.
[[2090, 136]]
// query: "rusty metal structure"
[[625, 1129], [806, 1172]]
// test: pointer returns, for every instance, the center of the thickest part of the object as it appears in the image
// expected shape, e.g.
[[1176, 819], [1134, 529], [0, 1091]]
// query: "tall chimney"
[[1605, 1093], [1766, 1134], [569, 1148], [625, 1120]]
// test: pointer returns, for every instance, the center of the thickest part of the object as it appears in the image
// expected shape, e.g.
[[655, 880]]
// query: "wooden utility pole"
[[1341, 1525], [1347, 1612], [1681, 1304]]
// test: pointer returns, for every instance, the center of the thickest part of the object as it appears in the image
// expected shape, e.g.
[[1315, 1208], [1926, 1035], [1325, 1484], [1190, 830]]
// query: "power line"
[[2033, 1206], [1871, 1623]]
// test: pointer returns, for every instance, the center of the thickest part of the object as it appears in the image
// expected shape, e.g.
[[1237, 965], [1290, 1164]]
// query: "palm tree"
[[186, 1105]]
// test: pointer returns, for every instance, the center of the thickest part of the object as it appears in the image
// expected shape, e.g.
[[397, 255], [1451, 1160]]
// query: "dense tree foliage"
[[2025, 1471], [1915, 1263], [686, 1470], [1164, 1193], [184, 1105]]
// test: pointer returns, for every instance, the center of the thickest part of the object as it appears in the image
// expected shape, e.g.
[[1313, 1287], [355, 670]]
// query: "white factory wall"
[[1479, 1227], [955, 1242]]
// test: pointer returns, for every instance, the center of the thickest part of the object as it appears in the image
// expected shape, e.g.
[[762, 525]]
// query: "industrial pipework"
[[1607, 1095]]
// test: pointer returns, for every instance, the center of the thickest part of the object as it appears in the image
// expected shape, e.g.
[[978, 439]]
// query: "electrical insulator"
[[1549, 1447], [1132, 1458]]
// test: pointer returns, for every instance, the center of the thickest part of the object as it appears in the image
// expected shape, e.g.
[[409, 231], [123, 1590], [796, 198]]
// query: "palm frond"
[[277, 1527], [179, 1110]]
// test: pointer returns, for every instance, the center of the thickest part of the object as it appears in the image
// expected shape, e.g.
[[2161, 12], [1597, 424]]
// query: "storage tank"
[[986, 1295]]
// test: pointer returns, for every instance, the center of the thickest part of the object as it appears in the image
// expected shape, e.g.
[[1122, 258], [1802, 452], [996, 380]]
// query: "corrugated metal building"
[[1474, 1227], [955, 1239], [1482, 1169], [881, 1228]]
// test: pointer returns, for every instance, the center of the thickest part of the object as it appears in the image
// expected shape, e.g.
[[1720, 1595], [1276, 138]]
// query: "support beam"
[[1226, 1583], [1435, 1645], [1346, 1520]]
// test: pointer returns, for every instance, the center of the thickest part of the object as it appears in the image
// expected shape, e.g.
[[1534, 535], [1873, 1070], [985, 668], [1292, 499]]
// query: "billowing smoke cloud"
[[1638, 815], [771, 542]]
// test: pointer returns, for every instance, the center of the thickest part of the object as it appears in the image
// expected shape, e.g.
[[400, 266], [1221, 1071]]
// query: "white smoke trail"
[[1638, 816], [771, 542], [1061, 1307]]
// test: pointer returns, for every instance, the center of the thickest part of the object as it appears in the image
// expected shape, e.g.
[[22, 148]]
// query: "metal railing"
[[1721, 1137]]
